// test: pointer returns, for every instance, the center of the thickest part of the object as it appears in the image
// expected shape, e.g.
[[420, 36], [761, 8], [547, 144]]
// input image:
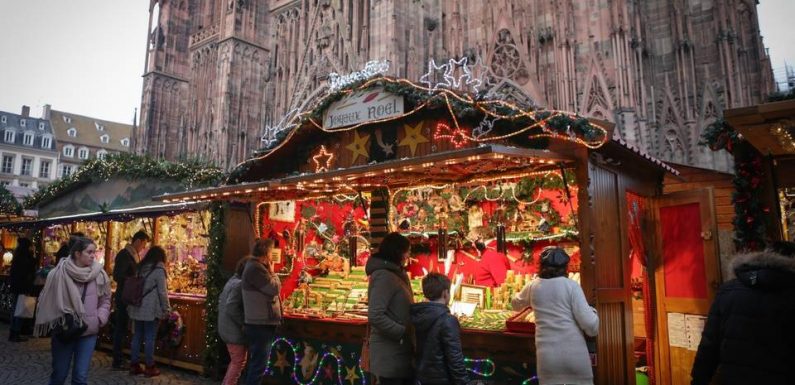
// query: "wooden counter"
[[188, 355]]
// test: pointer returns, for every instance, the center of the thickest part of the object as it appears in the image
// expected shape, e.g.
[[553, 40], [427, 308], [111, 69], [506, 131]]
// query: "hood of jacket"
[[375, 263], [765, 270], [424, 315]]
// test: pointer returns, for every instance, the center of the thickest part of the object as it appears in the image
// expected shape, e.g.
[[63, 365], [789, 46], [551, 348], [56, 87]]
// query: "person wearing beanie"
[[563, 319]]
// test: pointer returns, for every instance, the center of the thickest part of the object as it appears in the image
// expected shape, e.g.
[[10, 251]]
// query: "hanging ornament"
[[412, 137], [350, 375], [358, 146], [431, 79], [484, 128], [287, 122], [465, 79], [371, 68], [458, 137], [323, 159]]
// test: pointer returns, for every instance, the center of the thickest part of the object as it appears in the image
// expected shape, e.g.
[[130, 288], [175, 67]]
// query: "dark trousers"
[[260, 338], [120, 329]]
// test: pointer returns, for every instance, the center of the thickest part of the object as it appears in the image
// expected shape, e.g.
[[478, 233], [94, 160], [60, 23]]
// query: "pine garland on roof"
[[9, 205], [190, 173]]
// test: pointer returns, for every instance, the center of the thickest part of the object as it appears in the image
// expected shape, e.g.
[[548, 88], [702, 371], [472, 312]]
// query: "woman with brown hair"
[[74, 304], [389, 304], [154, 307]]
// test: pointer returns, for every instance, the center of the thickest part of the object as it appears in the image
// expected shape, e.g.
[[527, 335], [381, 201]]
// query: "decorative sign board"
[[363, 106]]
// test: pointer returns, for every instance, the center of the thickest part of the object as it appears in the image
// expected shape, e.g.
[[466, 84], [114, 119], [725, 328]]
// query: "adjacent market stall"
[[448, 168], [108, 200]]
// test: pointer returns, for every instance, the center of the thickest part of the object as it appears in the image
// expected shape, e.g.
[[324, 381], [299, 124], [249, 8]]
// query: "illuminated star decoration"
[[465, 79], [281, 361], [350, 375], [457, 137], [412, 137], [485, 127], [323, 159], [429, 78], [272, 131], [358, 146]]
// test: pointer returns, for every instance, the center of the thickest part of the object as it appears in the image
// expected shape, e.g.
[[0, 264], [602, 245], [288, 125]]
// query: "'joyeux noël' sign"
[[363, 106]]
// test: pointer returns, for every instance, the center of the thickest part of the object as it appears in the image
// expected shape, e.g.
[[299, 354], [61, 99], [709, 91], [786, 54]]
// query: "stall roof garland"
[[9, 205], [499, 119], [191, 173]]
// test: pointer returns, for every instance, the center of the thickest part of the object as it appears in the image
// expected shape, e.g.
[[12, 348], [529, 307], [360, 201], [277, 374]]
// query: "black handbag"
[[69, 330]]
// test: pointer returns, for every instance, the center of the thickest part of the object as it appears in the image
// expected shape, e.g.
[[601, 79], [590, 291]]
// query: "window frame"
[[25, 137], [71, 153], [3, 164], [48, 139], [13, 136], [80, 153], [42, 164], [29, 169], [71, 132]]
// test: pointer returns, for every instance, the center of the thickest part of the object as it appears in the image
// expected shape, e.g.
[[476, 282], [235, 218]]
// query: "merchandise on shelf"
[[185, 240]]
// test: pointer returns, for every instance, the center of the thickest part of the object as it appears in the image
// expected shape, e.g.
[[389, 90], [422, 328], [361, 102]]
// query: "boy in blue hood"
[[439, 359]]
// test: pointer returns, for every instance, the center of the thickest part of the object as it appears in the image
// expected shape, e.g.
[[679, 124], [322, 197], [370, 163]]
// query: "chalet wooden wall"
[[694, 178], [239, 235]]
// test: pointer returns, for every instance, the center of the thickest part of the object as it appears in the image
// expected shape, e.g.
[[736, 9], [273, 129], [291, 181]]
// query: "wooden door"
[[686, 278]]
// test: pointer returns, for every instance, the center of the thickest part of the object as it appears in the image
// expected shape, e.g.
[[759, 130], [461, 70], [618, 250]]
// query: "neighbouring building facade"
[[80, 138], [28, 155], [219, 71]]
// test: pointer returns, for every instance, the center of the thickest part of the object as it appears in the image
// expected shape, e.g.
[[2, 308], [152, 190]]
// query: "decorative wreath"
[[172, 330]]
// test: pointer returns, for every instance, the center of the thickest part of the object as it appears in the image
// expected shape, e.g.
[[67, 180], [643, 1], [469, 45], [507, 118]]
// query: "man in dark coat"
[[749, 337], [124, 266], [21, 276]]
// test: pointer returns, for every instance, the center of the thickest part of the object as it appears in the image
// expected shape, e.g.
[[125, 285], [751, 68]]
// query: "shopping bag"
[[26, 306]]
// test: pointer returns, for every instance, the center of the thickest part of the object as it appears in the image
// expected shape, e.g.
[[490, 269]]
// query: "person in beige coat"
[[79, 289]]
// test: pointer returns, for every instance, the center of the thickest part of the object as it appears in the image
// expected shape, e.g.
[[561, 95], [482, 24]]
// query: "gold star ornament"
[[412, 137], [350, 375], [358, 146]]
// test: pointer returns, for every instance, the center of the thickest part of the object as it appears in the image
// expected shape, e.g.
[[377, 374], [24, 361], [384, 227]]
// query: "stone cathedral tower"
[[219, 71]]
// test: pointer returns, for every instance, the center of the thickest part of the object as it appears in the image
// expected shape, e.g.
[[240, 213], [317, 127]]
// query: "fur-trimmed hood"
[[765, 270]]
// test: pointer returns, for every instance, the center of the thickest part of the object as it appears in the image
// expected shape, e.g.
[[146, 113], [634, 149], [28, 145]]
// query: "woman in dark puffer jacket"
[[749, 337]]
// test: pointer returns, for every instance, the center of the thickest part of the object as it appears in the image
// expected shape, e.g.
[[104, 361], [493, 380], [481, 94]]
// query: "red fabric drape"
[[638, 256]]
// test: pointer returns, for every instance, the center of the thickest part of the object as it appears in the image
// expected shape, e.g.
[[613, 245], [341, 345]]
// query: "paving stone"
[[29, 362]]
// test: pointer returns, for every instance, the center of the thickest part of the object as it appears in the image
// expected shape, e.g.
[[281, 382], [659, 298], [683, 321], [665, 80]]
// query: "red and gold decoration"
[[358, 146]]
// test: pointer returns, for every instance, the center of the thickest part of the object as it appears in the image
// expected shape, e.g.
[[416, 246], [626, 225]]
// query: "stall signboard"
[[363, 106]]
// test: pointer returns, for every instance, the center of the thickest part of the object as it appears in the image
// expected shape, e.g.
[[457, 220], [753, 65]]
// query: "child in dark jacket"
[[439, 360]]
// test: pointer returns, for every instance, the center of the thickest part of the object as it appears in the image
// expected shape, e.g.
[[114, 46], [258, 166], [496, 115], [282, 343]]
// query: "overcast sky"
[[87, 56]]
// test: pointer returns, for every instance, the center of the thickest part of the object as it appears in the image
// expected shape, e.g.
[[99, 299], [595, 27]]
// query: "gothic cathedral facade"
[[219, 71]]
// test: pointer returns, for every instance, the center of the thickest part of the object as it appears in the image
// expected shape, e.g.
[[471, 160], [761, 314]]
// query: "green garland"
[[463, 110], [191, 174], [9, 205], [215, 283], [751, 214]]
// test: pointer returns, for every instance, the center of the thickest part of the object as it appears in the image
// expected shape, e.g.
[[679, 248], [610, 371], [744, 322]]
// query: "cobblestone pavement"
[[29, 363]]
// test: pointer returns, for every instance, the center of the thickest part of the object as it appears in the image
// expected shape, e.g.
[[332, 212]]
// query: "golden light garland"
[[446, 94]]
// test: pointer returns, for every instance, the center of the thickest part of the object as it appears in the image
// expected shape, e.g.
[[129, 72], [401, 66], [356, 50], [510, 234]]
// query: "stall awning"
[[121, 215], [471, 165]]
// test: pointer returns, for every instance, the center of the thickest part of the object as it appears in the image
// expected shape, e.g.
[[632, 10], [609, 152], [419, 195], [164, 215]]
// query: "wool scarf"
[[61, 295]]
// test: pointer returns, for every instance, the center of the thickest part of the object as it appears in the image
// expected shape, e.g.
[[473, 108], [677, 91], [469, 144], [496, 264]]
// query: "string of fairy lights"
[[481, 367], [445, 91]]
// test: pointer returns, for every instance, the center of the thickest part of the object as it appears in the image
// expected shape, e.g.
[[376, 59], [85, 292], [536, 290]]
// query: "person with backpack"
[[124, 266], [439, 358], [563, 319], [230, 324], [153, 306], [73, 305], [390, 338], [262, 309]]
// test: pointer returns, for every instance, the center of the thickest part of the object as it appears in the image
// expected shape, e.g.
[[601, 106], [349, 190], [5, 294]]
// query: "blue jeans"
[[62, 355], [260, 338], [144, 332], [120, 328]]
